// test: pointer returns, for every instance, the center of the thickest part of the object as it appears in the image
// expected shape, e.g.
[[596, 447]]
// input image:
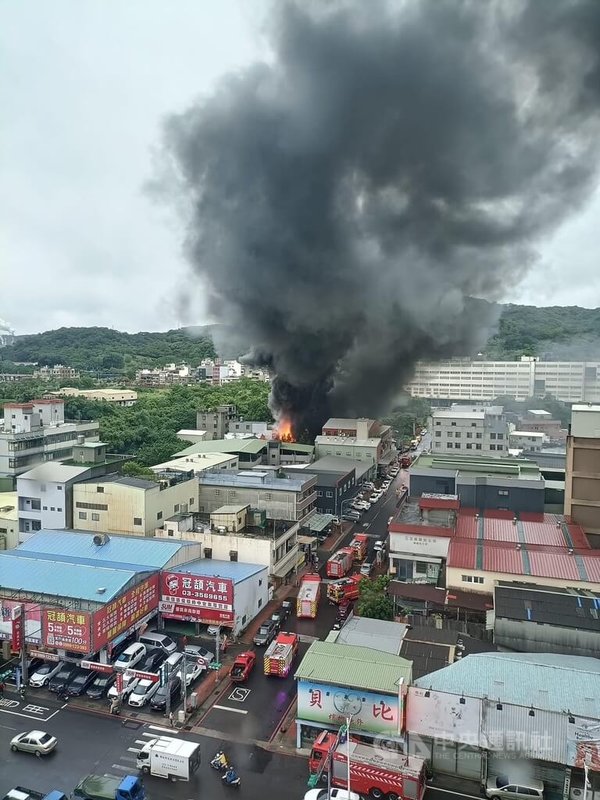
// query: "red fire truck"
[[307, 602], [340, 563], [360, 545], [373, 771], [345, 589], [280, 655]]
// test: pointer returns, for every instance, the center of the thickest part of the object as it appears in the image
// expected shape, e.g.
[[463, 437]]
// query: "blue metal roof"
[[91, 562], [211, 568], [121, 550], [547, 681], [63, 579]]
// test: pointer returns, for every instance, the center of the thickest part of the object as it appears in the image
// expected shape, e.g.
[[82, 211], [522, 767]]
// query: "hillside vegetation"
[[569, 333]]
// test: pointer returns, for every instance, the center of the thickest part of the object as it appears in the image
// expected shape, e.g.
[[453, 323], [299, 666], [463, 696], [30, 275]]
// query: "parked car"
[[119, 648], [80, 681], [277, 620], [332, 794], [101, 685], [198, 652], [265, 634], [158, 640], [379, 546], [213, 630], [143, 691], [130, 657], [129, 684], [38, 742], [366, 568], [159, 701], [152, 661], [45, 673], [60, 679], [193, 671], [502, 786], [351, 516], [286, 609]]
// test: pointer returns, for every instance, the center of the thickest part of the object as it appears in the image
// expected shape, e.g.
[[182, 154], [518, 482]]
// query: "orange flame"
[[283, 430]]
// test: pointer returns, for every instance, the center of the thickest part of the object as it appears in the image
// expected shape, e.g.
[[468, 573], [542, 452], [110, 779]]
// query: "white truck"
[[164, 757]]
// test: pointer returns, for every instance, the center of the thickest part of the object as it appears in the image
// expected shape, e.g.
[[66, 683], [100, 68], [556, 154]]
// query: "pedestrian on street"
[[171, 719], [1, 690]]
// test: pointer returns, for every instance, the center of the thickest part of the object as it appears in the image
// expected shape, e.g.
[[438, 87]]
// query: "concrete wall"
[[249, 598], [487, 580]]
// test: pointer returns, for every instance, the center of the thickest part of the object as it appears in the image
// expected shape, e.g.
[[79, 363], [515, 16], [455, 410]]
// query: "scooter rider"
[[220, 760], [231, 777]]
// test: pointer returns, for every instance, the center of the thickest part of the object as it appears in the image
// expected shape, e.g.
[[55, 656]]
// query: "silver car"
[[38, 742], [514, 790]]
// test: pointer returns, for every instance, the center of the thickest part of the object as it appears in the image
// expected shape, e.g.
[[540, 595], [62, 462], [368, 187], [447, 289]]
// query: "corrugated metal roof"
[[357, 667], [211, 568], [543, 736], [54, 473], [462, 553], [61, 579], [499, 530], [252, 446], [548, 681], [497, 557], [90, 562], [381, 635], [549, 564], [148, 553], [548, 606]]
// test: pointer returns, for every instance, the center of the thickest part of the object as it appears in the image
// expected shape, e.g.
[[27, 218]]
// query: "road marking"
[[36, 709], [153, 735], [235, 710], [172, 731], [451, 791], [8, 727], [239, 694], [118, 766], [4, 703]]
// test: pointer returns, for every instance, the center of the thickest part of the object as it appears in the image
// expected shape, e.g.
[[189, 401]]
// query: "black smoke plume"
[[388, 162]]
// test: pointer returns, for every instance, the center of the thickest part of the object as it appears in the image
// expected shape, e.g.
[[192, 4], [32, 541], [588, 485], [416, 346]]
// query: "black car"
[[80, 681], [101, 685], [286, 608], [62, 677], [159, 701], [151, 661], [122, 646], [266, 633]]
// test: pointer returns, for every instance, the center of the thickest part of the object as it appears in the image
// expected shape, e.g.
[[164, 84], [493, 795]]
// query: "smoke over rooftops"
[[392, 161]]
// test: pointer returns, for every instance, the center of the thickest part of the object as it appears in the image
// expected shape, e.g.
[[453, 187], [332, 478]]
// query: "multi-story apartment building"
[[36, 432], [364, 440], [540, 421], [582, 480], [216, 421], [479, 430], [116, 397], [136, 506], [462, 379], [282, 495], [45, 493], [9, 521], [58, 371]]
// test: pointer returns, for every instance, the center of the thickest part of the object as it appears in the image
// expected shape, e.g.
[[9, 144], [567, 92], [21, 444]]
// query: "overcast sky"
[[84, 85]]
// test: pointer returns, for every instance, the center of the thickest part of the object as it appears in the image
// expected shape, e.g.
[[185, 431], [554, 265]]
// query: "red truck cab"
[[242, 666]]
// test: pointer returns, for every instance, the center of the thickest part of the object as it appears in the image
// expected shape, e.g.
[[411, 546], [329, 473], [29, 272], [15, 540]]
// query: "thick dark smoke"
[[391, 161]]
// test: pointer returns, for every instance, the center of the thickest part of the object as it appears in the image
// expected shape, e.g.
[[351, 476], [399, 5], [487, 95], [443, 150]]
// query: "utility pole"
[[184, 684]]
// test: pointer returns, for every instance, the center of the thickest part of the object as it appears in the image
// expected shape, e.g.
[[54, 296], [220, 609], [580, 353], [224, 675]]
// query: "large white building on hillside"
[[462, 379]]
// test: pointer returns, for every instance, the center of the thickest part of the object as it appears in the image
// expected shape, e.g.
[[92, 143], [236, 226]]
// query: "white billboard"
[[419, 545], [443, 716]]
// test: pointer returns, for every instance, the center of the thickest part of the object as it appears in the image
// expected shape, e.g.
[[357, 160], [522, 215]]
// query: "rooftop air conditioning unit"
[[100, 539]]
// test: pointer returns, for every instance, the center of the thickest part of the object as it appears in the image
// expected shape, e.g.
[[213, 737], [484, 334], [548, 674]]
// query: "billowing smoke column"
[[390, 162]]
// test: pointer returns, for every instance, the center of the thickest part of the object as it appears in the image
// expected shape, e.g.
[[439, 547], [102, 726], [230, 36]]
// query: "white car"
[[213, 630], [334, 794], [128, 687], [143, 690], [38, 742], [375, 497], [130, 657], [193, 670], [43, 674]]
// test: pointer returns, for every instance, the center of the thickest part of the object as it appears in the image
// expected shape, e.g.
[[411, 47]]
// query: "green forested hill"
[[556, 332]]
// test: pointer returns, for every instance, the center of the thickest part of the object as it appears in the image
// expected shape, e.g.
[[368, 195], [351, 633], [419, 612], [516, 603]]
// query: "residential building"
[[240, 533], [45, 493], [477, 430], [531, 549], [335, 485], [170, 375], [14, 377], [9, 521], [510, 714], [582, 481], [536, 419], [36, 432], [254, 452], [541, 619], [377, 634], [466, 380], [484, 483], [117, 397], [337, 681], [356, 433], [216, 421], [433, 648], [367, 451], [134, 506], [282, 495], [57, 372], [524, 440]]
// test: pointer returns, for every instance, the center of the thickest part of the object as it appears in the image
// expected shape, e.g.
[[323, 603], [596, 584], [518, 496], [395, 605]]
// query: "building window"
[[477, 447], [176, 508], [191, 501], [52, 508], [449, 434], [83, 515], [42, 487], [469, 446], [457, 435], [438, 422], [421, 567], [473, 424], [492, 447], [449, 445], [95, 517], [100, 489], [59, 509], [492, 435], [59, 487], [438, 433], [453, 424], [328, 494], [500, 436], [93, 506], [137, 520], [159, 515], [319, 493], [469, 435], [466, 578], [503, 492], [477, 579], [478, 435], [45, 508]]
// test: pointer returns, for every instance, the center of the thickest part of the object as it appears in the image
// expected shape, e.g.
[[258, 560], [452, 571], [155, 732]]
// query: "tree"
[[374, 600], [133, 469]]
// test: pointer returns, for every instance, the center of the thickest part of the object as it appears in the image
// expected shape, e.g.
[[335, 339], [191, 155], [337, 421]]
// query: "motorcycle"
[[231, 778], [219, 761]]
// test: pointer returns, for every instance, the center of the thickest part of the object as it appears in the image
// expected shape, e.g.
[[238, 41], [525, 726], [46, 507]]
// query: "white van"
[[130, 657], [154, 639]]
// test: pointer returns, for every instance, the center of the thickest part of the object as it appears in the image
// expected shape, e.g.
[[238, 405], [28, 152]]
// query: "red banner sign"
[[197, 598], [96, 667], [66, 630], [18, 629], [119, 615]]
